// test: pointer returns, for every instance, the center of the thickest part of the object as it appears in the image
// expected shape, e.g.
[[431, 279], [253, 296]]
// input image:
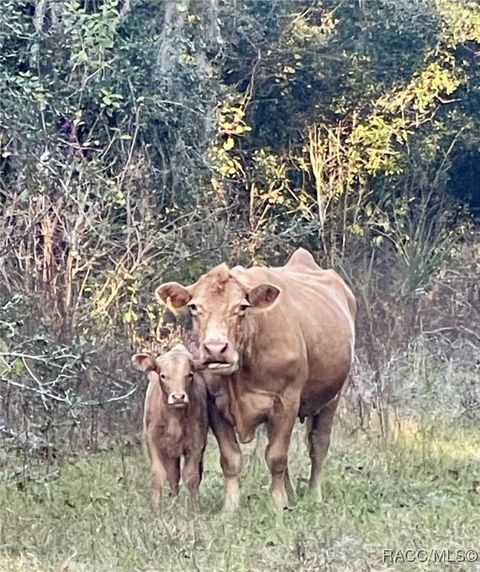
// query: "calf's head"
[[173, 371], [222, 310]]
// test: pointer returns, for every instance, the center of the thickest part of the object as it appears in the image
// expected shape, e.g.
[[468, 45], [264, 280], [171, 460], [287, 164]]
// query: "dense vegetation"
[[143, 141]]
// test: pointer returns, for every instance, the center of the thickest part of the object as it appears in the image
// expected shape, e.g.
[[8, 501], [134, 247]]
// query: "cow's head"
[[173, 371], [222, 309]]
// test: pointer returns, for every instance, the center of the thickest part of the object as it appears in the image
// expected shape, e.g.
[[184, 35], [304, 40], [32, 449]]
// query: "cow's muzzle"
[[218, 367], [218, 356], [216, 350]]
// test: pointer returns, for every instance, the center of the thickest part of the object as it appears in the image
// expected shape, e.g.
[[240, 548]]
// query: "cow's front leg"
[[279, 428], [230, 456]]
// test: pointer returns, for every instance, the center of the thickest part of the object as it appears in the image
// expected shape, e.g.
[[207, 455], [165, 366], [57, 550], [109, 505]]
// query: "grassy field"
[[417, 488]]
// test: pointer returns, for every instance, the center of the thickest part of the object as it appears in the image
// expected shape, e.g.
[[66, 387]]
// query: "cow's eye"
[[162, 376], [193, 309], [243, 307], [190, 377]]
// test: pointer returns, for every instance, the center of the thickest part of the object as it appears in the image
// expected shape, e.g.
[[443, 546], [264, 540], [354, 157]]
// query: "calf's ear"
[[263, 295], [173, 294], [144, 362]]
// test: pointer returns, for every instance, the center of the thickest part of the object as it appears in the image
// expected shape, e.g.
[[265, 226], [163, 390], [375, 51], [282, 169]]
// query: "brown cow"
[[277, 344], [175, 421]]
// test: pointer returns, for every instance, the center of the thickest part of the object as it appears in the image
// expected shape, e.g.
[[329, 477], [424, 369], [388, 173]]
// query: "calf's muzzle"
[[177, 399]]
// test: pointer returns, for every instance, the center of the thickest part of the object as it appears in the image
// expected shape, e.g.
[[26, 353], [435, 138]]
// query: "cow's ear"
[[144, 362], [174, 294], [263, 295]]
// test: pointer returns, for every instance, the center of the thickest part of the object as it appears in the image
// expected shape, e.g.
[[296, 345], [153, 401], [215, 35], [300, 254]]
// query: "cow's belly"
[[316, 394], [328, 371]]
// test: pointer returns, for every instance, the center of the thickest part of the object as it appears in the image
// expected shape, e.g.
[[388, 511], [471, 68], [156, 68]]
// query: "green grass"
[[418, 488]]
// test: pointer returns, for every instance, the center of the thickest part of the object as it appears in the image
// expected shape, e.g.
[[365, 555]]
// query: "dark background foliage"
[[144, 141]]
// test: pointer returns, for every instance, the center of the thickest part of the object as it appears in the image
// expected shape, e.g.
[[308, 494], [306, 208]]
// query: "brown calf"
[[175, 421]]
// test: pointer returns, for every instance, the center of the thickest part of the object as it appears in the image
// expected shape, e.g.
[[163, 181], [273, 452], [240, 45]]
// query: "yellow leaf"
[[229, 144], [171, 307], [129, 317], [356, 229]]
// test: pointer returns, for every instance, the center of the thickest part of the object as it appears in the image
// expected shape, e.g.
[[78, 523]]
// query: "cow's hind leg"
[[319, 429], [289, 486]]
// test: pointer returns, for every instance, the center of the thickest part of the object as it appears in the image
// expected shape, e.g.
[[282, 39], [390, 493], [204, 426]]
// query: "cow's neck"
[[247, 343]]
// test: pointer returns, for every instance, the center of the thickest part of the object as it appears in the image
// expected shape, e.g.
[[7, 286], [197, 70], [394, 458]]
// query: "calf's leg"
[[319, 434], [192, 475], [172, 466], [158, 474]]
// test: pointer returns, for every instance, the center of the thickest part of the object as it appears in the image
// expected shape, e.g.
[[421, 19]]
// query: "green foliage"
[[89, 35], [142, 140]]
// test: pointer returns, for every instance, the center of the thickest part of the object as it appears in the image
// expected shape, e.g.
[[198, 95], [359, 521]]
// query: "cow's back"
[[312, 323]]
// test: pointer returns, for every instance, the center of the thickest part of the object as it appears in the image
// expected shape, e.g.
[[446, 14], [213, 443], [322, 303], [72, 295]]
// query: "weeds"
[[418, 487]]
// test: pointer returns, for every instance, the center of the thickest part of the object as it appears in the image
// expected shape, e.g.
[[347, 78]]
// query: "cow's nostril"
[[216, 348], [179, 396]]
